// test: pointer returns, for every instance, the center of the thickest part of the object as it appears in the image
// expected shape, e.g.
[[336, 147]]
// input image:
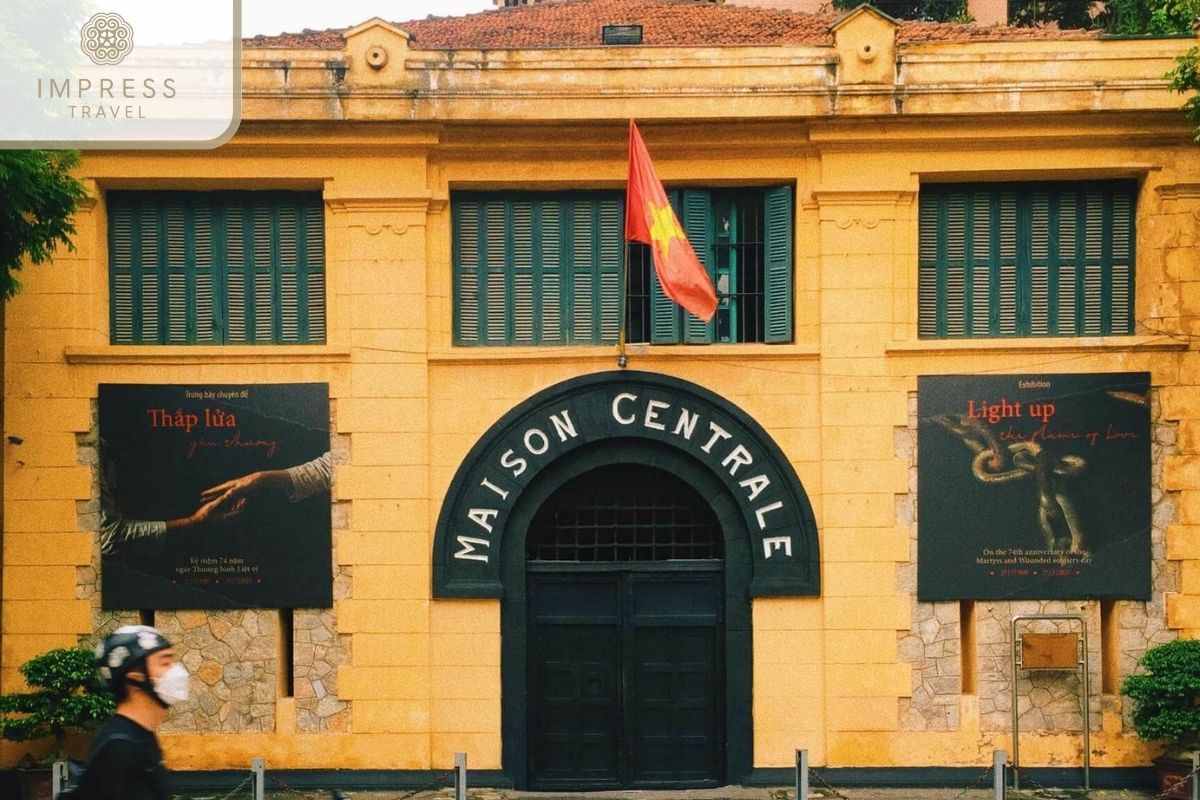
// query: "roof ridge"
[[578, 23]]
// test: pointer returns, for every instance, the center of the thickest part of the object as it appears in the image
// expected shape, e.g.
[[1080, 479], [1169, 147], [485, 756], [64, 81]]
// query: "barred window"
[[624, 512], [216, 267], [549, 268], [1026, 259]]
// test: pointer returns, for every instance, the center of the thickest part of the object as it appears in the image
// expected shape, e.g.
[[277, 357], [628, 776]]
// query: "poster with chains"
[[214, 496], [1033, 487]]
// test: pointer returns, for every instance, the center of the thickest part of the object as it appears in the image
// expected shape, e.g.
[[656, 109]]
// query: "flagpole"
[[622, 357]]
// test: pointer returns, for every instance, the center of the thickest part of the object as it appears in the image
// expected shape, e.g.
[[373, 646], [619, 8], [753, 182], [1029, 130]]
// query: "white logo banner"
[[119, 73]]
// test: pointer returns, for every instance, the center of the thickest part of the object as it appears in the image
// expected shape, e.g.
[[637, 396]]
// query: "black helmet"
[[124, 649]]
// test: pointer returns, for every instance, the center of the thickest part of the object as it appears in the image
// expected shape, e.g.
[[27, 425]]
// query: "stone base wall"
[[233, 657]]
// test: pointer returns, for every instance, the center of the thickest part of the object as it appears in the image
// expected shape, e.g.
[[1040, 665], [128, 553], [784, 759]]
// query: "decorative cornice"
[[414, 205], [161, 355], [862, 197], [991, 347], [1179, 191]]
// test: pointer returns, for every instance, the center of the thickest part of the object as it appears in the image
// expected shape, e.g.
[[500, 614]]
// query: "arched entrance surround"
[[619, 406], [633, 418]]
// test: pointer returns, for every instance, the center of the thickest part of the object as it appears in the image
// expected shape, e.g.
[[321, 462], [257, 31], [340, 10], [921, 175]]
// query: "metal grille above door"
[[624, 513]]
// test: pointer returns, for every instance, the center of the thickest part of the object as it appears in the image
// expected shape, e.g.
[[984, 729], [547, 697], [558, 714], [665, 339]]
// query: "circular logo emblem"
[[106, 38]]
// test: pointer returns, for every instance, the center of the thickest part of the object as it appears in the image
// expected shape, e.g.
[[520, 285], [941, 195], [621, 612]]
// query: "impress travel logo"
[[106, 38], [81, 78]]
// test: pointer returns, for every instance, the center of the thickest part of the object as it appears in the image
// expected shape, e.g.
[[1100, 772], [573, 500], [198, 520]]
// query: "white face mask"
[[172, 686]]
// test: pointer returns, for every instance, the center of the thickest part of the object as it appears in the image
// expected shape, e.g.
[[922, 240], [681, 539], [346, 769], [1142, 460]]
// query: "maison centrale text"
[[187, 420], [100, 99], [705, 436]]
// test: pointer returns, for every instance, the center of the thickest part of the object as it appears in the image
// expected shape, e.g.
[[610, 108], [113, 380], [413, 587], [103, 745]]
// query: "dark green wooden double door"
[[625, 678]]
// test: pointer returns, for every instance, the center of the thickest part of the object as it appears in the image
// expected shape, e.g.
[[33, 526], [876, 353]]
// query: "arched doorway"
[[672, 433], [624, 627], [626, 642]]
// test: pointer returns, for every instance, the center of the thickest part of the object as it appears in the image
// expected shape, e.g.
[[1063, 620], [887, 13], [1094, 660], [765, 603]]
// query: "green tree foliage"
[[1150, 17], [67, 693], [1128, 17], [935, 10], [1186, 78], [1064, 13], [38, 196], [1165, 694]]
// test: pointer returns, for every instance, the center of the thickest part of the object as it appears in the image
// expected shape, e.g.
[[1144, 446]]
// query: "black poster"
[[215, 496], [1034, 487]]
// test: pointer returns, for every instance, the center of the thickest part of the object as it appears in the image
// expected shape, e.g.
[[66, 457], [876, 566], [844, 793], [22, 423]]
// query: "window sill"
[[206, 354], [1069, 344], [500, 354]]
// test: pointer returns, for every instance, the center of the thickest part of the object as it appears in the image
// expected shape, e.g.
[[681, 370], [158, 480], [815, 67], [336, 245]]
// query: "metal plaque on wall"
[[1034, 487]]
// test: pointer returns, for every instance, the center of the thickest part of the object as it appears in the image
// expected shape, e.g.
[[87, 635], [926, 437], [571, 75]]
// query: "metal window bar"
[[741, 315], [624, 513]]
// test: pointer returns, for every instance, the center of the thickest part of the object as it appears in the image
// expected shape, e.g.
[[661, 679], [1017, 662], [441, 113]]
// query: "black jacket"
[[125, 763]]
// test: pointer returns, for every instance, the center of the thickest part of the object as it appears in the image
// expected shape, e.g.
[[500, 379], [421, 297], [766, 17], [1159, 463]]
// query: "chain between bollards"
[[258, 777], [998, 771]]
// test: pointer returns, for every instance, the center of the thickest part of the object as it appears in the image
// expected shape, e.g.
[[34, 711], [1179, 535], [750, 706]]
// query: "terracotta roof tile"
[[578, 23], [331, 39]]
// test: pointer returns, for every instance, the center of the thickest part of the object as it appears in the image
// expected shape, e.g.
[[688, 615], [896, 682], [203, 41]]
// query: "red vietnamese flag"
[[650, 219]]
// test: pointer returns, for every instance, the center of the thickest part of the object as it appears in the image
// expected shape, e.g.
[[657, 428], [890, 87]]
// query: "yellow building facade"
[[394, 139]]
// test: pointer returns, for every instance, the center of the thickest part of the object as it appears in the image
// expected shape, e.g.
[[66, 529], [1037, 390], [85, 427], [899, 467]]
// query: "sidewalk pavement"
[[749, 793]]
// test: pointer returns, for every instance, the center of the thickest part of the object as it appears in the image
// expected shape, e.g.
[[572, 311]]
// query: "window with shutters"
[[1026, 259], [216, 267], [548, 268]]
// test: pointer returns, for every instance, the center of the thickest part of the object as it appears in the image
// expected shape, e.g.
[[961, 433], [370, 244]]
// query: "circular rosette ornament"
[[106, 38]]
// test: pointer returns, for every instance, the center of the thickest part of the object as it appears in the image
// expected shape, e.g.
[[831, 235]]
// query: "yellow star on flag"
[[665, 227]]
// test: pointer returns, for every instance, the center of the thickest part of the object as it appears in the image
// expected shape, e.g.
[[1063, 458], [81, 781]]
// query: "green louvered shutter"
[[931, 257], [525, 308], [1026, 260], [189, 299], [124, 276], [208, 320], [265, 260], [135, 271], [1004, 279], [981, 246], [239, 275], [610, 264], [536, 294], [778, 238], [585, 244], [467, 216], [312, 260], [665, 315], [496, 315], [151, 266], [289, 289], [177, 267], [219, 267], [551, 289], [1121, 252], [697, 220], [537, 268], [484, 303], [596, 263]]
